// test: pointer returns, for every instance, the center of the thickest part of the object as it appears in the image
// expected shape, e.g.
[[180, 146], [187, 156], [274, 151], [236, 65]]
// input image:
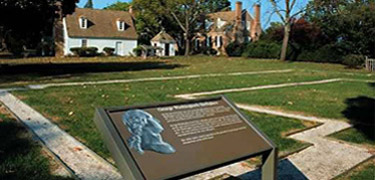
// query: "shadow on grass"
[[80, 68], [286, 170], [26, 72], [361, 113], [21, 157]]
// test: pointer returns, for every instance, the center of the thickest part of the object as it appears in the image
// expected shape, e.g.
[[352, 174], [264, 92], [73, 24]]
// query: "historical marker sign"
[[175, 140]]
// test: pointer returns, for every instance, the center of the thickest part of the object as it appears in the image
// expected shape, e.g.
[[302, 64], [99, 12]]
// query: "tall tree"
[[178, 17], [25, 22], [188, 12], [286, 14], [347, 24], [119, 6], [89, 4]]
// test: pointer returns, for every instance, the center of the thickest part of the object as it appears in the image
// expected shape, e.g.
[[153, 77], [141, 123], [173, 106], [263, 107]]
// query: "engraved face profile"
[[145, 132]]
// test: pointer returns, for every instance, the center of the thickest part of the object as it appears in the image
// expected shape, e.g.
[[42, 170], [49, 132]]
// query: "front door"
[[167, 49], [119, 49]]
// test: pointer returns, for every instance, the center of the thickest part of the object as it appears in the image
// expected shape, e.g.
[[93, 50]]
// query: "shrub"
[[205, 51], [109, 51], [84, 51], [354, 61], [327, 53], [235, 50], [137, 51], [262, 49]]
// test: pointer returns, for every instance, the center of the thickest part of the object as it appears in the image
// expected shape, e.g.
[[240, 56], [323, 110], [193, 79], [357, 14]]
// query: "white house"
[[100, 29], [168, 46]]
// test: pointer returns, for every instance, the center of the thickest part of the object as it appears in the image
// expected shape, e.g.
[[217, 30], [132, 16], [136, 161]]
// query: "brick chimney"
[[256, 29], [238, 11], [238, 27]]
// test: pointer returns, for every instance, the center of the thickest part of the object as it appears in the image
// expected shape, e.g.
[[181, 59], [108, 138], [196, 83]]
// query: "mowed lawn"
[[20, 156], [72, 108], [20, 72]]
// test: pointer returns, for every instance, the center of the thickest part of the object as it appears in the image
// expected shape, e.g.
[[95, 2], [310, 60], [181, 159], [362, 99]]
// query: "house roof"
[[101, 24], [163, 37], [229, 15]]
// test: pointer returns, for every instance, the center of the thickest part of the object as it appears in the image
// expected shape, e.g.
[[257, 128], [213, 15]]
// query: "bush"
[[109, 51], [205, 50], [327, 53], [262, 49], [137, 51], [354, 61], [235, 50], [84, 51]]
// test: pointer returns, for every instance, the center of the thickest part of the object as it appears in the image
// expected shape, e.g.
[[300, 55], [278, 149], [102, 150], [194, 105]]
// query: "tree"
[[348, 24], [119, 6], [89, 4], [178, 17], [25, 22], [187, 13], [286, 15]]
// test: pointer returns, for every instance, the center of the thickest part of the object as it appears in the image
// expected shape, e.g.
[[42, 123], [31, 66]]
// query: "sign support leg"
[[269, 167]]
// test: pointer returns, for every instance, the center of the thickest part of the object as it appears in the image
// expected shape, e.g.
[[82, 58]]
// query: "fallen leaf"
[[77, 149]]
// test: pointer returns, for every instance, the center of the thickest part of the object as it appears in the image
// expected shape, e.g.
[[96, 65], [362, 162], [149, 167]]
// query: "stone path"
[[194, 95], [42, 86], [327, 158], [81, 160]]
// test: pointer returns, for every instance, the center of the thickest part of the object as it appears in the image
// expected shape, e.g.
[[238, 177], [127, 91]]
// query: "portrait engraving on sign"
[[145, 132]]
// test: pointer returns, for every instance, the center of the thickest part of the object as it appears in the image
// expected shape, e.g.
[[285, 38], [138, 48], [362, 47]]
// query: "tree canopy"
[[177, 17], [25, 22], [347, 23]]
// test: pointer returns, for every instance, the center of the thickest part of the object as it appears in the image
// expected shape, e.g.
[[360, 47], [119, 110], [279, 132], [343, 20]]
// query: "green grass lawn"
[[72, 108], [82, 100], [324, 100], [19, 72], [355, 136], [365, 171], [20, 156]]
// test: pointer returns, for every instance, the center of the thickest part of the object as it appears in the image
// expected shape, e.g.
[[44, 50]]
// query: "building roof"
[[229, 15], [163, 37], [101, 24]]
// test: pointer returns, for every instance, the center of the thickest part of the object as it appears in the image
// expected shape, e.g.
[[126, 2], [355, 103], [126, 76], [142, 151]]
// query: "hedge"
[[84, 51]]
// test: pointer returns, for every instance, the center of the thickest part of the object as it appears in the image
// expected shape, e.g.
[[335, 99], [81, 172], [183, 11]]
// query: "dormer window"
[[220, 23], [121, 25], [83, 22]]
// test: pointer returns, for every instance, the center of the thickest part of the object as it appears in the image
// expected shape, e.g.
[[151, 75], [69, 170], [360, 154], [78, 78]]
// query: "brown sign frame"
[[127, 165]]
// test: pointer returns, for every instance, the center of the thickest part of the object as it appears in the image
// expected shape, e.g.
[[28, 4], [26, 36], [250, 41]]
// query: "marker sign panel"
[[172, 140]]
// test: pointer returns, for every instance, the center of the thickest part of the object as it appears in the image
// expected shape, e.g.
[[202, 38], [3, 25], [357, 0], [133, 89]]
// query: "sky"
[[266, 8]]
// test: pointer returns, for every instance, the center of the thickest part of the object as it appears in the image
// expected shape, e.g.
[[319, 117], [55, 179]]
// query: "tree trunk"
[[284, 47], [187, 45], [187, 36]]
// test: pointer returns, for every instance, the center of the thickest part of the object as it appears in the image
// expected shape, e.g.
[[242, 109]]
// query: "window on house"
[[83, 22], [121, 25], [220, 41], [84, 43]]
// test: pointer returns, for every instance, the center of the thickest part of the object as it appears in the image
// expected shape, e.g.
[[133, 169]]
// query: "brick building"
[[222, 28]]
